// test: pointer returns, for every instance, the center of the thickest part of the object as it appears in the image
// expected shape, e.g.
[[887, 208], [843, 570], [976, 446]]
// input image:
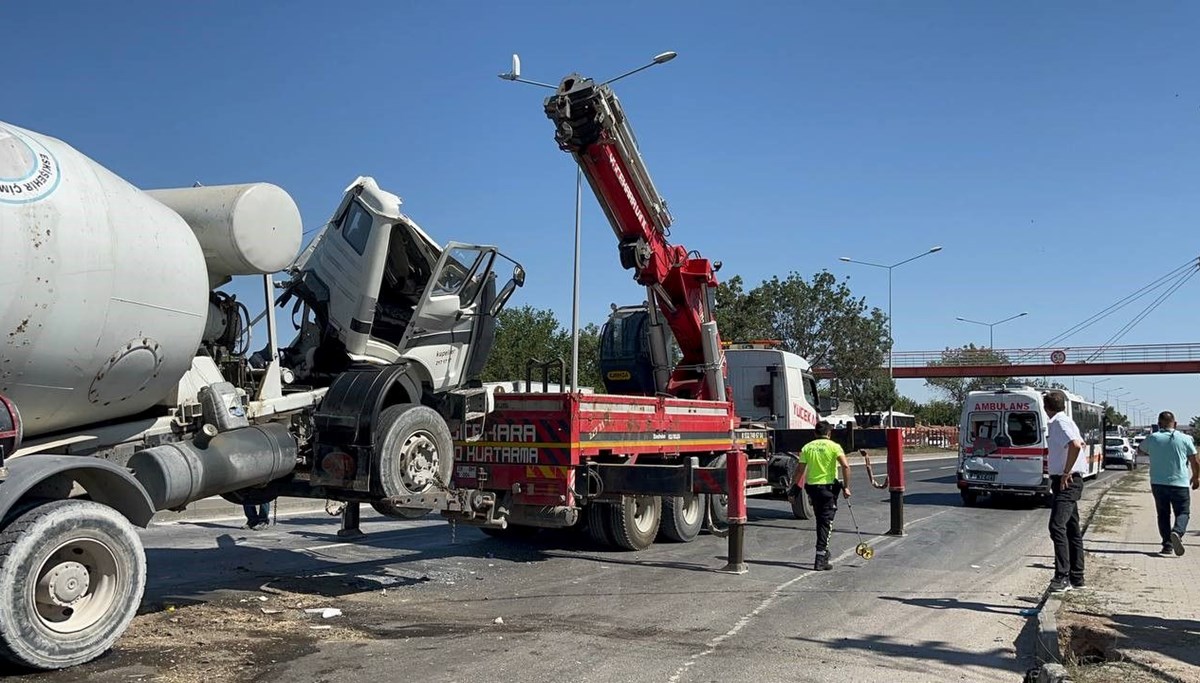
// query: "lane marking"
[[210, 520], [921, 470], [743, 622], [947, 468]]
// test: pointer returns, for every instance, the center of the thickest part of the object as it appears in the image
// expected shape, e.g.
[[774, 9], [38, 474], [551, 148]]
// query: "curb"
[[1048, 653]]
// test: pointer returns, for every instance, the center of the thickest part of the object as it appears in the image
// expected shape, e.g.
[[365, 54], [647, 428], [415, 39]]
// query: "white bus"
[[1002, 440]]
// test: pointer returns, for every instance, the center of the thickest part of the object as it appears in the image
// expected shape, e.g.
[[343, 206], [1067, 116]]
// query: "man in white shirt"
[[1067, 468]]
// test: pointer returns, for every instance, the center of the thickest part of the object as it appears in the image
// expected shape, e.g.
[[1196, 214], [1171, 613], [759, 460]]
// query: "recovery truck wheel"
[[801, 506], [969, 498], [598, 527], [682, 517], [413, 454], [72, 574], [388, 510], [635, 521]]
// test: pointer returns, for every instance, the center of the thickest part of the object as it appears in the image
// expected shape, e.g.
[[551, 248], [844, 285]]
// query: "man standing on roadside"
[[819, 461], [1066, 469], [1170, 454]]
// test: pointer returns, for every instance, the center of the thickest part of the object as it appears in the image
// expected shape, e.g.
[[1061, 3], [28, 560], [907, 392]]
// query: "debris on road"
[[325, 612], [499, 621]]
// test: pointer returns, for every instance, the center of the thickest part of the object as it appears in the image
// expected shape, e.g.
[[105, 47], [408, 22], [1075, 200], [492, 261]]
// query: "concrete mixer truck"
[[130, 382]]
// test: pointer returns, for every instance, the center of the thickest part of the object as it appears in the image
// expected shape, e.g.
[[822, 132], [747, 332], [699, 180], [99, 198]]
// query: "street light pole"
[[514, 75], [992, 326], [891, 336]]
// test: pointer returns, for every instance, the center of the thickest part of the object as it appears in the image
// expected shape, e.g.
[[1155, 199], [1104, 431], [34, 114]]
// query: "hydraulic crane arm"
[[592, 126]]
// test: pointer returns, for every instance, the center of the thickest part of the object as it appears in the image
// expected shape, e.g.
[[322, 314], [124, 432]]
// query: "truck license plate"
[[983, 476]]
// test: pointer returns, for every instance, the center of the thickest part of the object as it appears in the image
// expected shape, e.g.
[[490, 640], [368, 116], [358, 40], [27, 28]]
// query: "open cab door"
[[377, 289], [452, 329]]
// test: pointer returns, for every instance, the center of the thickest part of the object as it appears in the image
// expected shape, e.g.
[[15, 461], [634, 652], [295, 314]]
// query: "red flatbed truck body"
[[539, 447]]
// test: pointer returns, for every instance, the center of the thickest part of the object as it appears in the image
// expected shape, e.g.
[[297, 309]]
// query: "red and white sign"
[[1058, 357]]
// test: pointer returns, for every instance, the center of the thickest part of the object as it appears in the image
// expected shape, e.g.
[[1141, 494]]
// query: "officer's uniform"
[[820, 458]]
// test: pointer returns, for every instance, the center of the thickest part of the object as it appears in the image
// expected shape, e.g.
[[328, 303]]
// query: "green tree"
[[818, 318], [871, 394], [527, 333], [1195, 425], [905, 404], [1114, 417], [524, 334], [741, 315], [939, 412], [955, 389]]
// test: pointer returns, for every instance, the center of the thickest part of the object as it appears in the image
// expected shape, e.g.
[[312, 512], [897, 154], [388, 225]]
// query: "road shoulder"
[[1138, 618]]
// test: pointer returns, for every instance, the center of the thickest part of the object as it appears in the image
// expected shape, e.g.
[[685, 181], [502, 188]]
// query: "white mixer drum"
[[103, 290]]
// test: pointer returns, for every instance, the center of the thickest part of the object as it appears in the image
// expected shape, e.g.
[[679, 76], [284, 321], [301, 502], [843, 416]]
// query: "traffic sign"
[[1058, 357]]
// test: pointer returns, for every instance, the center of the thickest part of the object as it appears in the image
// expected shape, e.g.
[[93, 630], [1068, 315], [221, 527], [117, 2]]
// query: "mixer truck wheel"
[[413, 453], [682, 517], [388, 510], [635, 521], [71, 579]]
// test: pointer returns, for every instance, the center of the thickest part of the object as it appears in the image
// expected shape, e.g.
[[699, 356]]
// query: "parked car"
[[1118, 450]]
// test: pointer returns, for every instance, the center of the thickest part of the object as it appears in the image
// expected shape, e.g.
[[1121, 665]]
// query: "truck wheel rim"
[[692, 510], [77, 586], [643, 513], [419, 458]]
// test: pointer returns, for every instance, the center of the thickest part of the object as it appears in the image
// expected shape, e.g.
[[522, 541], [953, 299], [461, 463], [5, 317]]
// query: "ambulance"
[[1002, 440]]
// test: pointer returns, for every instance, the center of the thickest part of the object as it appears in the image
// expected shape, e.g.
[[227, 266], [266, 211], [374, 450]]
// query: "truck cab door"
[[453, 325], [342, 269]]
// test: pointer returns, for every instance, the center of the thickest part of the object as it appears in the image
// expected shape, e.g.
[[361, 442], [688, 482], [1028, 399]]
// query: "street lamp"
[[992, 326], [891, 337], [515, 75], [1093, 385]]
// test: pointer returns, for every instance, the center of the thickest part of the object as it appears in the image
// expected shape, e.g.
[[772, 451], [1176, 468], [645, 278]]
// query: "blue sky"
[[1052, 149]]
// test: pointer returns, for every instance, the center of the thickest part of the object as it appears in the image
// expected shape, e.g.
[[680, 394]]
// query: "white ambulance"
[[1002, 440]]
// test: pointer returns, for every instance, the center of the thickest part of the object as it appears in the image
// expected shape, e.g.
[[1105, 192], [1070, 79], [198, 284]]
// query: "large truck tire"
[[72, 574], [635, 520], [598, 527], [395, 512], [414, 454], [682, 517], [801, 505]]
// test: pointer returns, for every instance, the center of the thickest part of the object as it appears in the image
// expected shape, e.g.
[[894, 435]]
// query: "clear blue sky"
[[1051, 148]]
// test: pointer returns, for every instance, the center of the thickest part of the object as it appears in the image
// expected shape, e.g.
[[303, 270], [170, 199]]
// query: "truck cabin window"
[[356, 226]]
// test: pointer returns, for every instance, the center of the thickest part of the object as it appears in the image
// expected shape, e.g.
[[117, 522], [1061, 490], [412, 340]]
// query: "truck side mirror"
[[518, 279], [827, 404]]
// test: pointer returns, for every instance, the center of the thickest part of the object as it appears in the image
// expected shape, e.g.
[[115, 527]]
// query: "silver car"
[[1119, 450]]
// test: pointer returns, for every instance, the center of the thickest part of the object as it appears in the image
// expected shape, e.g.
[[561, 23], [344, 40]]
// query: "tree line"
[[818, 318]]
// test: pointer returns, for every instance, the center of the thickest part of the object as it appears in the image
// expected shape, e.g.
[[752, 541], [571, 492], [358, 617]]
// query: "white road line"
[[922, 470], [742, 623], [947, 468]]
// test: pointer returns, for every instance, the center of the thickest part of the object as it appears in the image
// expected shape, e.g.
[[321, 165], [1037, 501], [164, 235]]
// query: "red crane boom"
[[681, 285]]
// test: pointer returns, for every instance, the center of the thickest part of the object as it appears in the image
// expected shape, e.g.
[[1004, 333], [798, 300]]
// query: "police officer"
[[819, 460]]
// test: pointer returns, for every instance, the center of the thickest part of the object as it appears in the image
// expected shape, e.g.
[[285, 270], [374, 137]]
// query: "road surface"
[[423, 601]]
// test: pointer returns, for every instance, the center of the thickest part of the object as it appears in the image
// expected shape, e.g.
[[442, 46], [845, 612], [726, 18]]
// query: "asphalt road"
[[420, 600]]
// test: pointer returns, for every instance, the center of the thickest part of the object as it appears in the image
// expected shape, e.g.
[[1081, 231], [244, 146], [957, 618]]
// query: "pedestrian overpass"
[[1144, 359]]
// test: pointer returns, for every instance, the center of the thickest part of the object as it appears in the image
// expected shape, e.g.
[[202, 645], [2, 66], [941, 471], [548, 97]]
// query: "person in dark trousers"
[[1066, 469], [1171, 455], [819, 461], [257, 516]]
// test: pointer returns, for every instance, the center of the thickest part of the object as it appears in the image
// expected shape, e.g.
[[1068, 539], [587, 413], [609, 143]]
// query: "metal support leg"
[[350, 522], [897, 513], [735, 462], [895, 444]]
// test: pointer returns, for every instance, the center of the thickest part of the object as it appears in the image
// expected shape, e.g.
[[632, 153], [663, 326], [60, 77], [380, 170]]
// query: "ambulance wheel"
[[969, 498], [635, 521], [72, 574], [597, 525], [801, 506], [682, 517], [413, 451]]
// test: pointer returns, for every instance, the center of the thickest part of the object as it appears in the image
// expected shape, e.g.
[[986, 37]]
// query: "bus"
[[1002, 441]]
